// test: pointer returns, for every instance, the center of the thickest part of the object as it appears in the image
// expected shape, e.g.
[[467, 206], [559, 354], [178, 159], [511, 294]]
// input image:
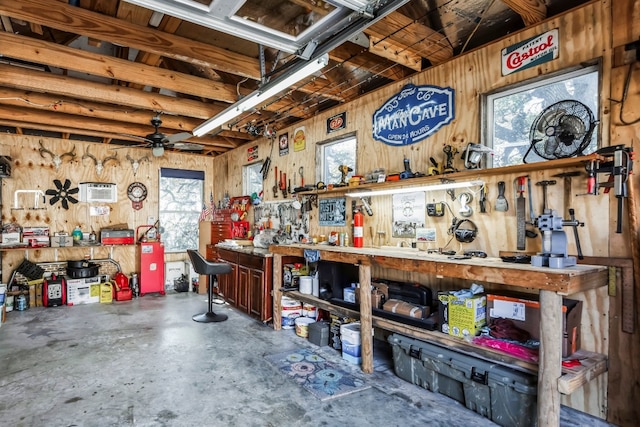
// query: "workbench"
[[551, 284]]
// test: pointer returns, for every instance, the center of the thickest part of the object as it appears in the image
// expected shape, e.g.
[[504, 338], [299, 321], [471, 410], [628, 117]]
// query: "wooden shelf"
[[592, 364], [572, 162]]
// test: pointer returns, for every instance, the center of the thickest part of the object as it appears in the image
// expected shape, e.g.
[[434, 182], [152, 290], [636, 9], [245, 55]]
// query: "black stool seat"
[[211, 269]]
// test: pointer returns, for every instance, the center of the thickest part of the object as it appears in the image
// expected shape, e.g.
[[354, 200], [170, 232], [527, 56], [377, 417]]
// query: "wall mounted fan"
[[561, 130], [158, 141]]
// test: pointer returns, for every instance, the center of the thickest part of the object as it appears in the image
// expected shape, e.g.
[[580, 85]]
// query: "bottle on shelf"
[[77, 233]]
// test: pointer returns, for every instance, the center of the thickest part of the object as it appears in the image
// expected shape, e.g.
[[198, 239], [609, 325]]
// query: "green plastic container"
[[506, 396]]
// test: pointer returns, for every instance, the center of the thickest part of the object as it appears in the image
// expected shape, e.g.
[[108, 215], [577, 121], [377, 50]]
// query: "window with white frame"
[[252, 179], [181, 201], [562, 126], [332, 155]]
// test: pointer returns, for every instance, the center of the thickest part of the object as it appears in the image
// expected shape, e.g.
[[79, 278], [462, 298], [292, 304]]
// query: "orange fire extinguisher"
[[358, 229]]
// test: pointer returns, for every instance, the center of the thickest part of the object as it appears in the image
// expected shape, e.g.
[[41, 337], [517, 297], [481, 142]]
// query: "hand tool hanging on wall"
[[482, 200], [521, 206], [567, 187], [502, 205], [575, 224], [532, 213], [545, 183], [275, 185]]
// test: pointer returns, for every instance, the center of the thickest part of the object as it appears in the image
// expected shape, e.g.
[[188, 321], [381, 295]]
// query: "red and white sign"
[[531, 52]]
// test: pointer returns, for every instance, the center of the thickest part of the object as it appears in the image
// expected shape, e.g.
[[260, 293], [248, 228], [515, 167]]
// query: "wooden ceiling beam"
[[531, 11], [91, 110], [361, 58], [80, 21], [37, 51], [415, 37], [121, 98]]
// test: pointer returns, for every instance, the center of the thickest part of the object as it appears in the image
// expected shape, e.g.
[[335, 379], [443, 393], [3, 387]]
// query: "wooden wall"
[[587, 34], [33, 172]]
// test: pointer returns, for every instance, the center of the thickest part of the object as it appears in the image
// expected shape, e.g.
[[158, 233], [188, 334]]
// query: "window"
[[510, 114], [334, 154], [181, 198], [252, 179]]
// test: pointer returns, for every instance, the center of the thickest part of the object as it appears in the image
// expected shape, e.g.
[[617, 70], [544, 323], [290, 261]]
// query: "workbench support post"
[[550, 358], [366, 324], [276, 293]]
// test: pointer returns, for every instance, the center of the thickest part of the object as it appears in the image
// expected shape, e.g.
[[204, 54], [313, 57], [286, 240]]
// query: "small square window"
[[252, 179], [334, 154]]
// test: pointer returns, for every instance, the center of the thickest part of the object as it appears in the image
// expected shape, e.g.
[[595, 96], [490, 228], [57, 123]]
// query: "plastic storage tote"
[[505, 396]]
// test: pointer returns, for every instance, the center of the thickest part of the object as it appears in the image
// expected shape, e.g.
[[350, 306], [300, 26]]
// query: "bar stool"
[[211, 269]]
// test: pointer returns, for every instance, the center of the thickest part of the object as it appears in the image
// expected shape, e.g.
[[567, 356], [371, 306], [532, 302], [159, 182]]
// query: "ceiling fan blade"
[[51, 192], [54, 200], [73, 190], [72, 199], [58, 184], [65, 204], [178, 137], [67, 184], [187, 146]]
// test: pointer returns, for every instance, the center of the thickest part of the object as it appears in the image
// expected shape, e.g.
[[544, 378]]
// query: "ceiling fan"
[[158, 141]]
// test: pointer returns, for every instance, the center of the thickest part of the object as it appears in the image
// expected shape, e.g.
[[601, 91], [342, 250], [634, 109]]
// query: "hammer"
[[544, 185], [567, 187]]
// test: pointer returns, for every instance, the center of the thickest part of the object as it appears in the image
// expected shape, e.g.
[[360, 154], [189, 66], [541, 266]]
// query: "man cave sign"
[[413, 114]]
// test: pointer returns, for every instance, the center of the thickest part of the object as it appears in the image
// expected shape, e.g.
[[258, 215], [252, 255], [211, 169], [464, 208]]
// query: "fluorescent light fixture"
[[434, 187], [275, 86]]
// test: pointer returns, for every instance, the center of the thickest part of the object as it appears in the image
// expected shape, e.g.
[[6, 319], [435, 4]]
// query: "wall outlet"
[[151, 220]]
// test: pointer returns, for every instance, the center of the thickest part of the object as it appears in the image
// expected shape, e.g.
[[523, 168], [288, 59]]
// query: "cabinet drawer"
[[212, 253], [229, 256], [251, 261]]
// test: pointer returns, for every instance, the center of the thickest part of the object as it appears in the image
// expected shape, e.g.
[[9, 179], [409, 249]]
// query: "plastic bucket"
[[291, 309], [306, 285], [302, 326], [309, 310], [351, 347]]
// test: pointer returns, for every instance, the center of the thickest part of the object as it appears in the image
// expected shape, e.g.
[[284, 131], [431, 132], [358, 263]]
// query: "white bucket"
[[291, 309], [309, 310], [306, 285], [351, 347], [302, 326]]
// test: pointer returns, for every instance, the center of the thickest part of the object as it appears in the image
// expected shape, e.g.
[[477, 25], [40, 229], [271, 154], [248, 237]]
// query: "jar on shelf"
[[77, 233]]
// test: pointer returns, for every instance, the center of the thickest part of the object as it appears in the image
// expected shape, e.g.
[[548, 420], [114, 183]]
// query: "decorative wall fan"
[[158, 141], [562, 130]]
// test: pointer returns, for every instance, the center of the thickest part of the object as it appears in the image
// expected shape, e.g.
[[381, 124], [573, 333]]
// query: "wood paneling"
[[586, 35], [32, 172]]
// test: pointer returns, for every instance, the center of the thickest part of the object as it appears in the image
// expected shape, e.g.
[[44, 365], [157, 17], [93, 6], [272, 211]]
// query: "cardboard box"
[[377, 298], [10, 238], [465, 316], [406, 308], [61, 241], [83, 291], [524, 311]]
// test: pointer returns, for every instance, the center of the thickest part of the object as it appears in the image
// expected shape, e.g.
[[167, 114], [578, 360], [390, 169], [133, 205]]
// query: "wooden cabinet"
[[248, 286], [552, 285]]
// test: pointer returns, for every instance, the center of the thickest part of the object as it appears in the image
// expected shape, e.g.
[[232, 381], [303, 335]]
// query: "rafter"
[[531, 11]]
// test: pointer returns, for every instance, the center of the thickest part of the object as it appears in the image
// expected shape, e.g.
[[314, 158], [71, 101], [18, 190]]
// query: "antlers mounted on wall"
[[55, 158], [135, 164], [100, 164]]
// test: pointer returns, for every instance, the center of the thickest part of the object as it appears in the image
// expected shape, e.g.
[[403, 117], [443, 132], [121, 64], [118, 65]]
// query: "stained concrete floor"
[[146, 363]]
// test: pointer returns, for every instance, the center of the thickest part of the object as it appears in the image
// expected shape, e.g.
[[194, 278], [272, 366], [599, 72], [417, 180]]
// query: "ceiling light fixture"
[[434, 187], [278, 84]]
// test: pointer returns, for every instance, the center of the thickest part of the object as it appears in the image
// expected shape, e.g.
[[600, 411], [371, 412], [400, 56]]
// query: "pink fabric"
[[513, 349]]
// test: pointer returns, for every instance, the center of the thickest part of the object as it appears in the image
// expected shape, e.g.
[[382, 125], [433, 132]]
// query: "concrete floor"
[[146, 363]]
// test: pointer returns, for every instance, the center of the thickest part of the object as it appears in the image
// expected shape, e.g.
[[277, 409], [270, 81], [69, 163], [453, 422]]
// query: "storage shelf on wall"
[[572, 162]]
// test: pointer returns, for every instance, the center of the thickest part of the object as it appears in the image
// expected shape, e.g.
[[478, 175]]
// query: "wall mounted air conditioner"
[[98, 192]]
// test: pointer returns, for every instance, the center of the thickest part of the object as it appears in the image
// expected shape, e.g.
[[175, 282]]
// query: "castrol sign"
[[531, 52]]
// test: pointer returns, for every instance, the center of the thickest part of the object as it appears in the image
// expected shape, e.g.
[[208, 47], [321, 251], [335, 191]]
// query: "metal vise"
[[554, 241]]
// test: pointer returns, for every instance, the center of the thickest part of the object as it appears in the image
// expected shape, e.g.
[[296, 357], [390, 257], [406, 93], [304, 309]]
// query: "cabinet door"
[[256, 294], [244, 277], [228, 284]]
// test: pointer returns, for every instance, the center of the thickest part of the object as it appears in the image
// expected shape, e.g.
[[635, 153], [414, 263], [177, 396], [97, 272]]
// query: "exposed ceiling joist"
[[531, 11]]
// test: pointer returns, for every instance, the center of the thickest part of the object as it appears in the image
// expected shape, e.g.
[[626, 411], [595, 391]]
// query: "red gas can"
[[121, 289]]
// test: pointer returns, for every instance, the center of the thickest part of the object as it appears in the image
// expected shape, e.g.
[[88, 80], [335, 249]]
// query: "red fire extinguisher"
[[358, 229]]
